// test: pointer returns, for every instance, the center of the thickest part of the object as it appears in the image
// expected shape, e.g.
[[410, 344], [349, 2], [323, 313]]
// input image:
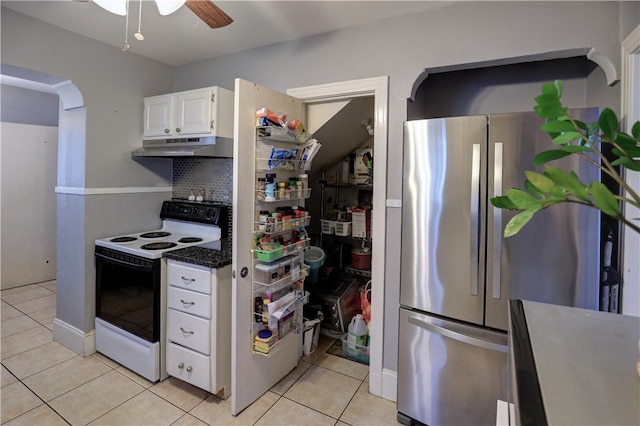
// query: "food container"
[[361, 258], [267, 273]]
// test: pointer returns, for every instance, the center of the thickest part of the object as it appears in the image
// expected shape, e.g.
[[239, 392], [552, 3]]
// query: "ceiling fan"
[[206, 10]]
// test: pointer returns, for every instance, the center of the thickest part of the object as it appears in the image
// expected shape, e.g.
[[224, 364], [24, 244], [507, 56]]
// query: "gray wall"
[[114, 83], [96, 172], [460, 36], [18, 105]]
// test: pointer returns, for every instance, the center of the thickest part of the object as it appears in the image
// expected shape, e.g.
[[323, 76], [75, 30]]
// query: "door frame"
[[630, 109], [378, 87]]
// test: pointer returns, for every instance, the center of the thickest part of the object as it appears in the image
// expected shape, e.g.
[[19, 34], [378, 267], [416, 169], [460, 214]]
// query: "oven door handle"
[[123, 262]]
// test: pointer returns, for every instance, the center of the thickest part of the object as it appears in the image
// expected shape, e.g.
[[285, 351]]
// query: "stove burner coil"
[[156, 234], [158, 246], [190, 240], [122, 239]]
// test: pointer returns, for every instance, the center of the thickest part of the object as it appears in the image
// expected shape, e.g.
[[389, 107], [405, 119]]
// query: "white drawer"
[[192, 277], [189, 366], [190, 331], [190, 302]]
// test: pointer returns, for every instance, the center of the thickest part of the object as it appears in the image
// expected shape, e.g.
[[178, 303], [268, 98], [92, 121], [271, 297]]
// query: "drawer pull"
[[187, 303], [186, 331], [188, 280], [181, 365], [189, 369]]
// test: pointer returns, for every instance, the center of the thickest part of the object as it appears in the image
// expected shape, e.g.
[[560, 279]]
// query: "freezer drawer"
[[449, 373]]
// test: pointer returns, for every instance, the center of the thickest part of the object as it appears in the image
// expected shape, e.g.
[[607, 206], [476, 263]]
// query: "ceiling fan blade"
[[211, 14]]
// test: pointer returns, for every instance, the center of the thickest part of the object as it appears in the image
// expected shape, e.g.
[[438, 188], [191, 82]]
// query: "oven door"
[[128, 292]]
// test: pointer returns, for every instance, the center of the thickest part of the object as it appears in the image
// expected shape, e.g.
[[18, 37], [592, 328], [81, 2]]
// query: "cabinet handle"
[[187, 303], [186, 331], [181, 365], [178, 129], [166, 130], [189, 369], [188, 280]]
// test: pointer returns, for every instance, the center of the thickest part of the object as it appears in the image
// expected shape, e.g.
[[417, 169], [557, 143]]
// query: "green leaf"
[[633, 152], [604, 199], [550, 89], [572, 149], [568, 181], [550, 110], [550, 155], [521, 199], [566, 137], [532, 189], [625, 141], [540, 182], [626, 162], [557, 126], [608, 123], [503, 202], [521, 219], [547, 99], [635, 130]]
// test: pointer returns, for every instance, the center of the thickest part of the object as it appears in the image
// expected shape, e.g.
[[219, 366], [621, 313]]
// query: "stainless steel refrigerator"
[[457, 270]]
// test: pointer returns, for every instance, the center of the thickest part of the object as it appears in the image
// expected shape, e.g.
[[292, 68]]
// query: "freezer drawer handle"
[[497, 220], [475, 216], [459, 336]]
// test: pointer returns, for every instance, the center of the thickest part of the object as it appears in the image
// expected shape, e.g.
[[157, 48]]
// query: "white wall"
[[28, 217], [459, 36]]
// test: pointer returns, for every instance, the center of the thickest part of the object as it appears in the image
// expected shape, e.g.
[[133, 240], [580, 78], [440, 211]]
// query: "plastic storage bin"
[[267, 273], [343, 228], [328, 226], [314, 257], [356, 353]]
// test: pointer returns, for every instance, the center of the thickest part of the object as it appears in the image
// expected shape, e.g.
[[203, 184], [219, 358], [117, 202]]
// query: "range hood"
[[210, 146]]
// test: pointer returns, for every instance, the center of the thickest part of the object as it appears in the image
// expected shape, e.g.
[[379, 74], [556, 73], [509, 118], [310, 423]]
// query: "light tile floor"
[[44, 383]]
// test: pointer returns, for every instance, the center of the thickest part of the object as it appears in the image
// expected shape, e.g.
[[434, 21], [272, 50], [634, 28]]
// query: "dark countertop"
[[574, 366], [204, 254]]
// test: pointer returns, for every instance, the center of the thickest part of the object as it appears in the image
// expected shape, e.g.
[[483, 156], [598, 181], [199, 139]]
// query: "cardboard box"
[[363, 167]]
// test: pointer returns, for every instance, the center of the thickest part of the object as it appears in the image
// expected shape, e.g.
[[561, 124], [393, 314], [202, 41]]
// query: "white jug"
[[358, 332]]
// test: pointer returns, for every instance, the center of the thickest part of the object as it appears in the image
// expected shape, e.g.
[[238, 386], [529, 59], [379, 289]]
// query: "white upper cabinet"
[[193, 113]]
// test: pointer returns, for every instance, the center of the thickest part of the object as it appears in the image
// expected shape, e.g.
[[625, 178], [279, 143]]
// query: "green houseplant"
[[587, 140]]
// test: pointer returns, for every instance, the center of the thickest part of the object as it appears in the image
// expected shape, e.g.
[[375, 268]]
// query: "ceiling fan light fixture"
[[167, 7], [114, 6]]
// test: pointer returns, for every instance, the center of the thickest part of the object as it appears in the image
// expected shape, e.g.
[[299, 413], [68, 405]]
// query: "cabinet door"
[[251, 374], [193, 112], [158, 111]]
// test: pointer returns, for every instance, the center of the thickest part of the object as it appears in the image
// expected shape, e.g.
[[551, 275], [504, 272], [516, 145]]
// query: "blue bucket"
[[314, 257]]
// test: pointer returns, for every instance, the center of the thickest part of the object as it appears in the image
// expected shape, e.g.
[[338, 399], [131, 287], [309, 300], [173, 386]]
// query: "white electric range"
[[131, 283]]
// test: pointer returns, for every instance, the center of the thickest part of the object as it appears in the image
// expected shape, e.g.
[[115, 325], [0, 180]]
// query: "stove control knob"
[[208, 213]]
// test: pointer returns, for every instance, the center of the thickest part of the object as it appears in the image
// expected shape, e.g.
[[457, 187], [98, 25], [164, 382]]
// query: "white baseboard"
[[390, 385], [83, 344], [385, 385]]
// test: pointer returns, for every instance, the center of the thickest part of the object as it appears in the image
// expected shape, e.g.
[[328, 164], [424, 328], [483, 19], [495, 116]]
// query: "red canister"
[[361, 258]]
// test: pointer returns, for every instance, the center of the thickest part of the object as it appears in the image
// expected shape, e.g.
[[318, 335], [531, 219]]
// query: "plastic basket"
[[328, 226], [270, 255], [359, 353], [343, 228]]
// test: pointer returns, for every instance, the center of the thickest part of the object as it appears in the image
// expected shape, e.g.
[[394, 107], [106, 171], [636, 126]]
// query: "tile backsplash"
[[211, 176]]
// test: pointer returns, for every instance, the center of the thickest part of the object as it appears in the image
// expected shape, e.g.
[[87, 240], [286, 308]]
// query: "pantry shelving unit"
[[339, 229], [278, 269]]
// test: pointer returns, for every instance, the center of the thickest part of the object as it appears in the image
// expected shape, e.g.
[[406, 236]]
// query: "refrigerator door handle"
[[475, 216], [464, 338], [497, 219]]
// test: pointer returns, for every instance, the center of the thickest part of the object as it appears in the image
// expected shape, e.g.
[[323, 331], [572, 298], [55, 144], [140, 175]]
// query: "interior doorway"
[[380, 384]]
